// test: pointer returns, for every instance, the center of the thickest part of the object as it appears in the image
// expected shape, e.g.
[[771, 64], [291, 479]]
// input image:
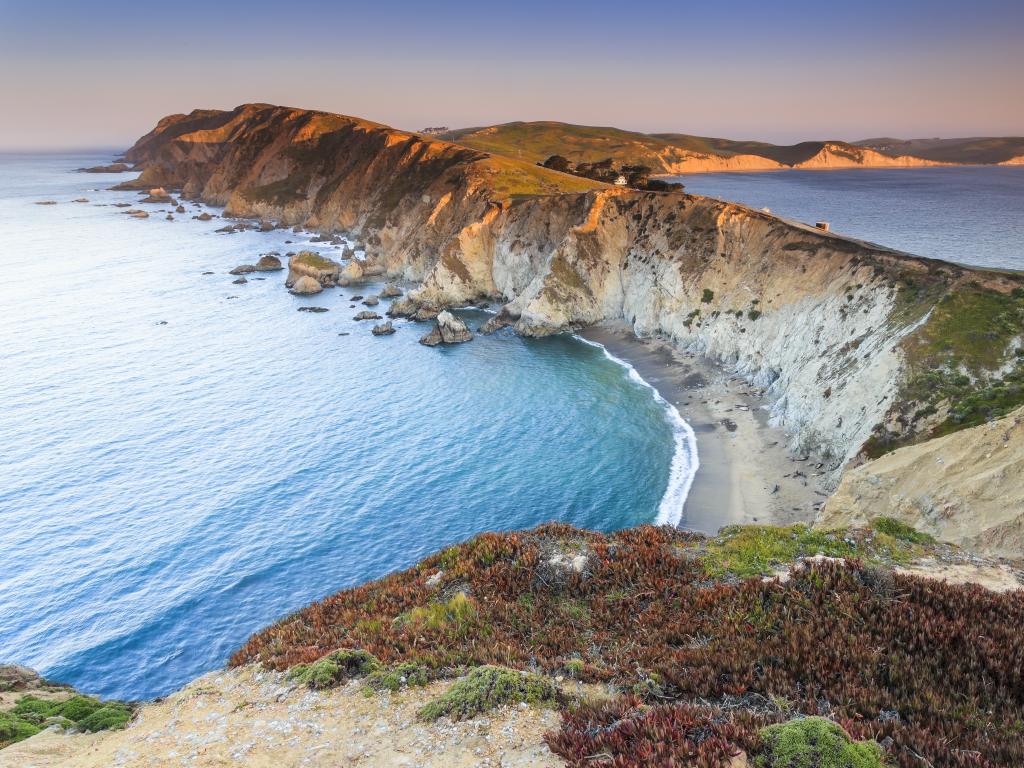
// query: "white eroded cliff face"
[[805, 315]]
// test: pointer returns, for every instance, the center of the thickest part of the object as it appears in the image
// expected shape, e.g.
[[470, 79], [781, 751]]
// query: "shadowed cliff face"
[[844, 334]]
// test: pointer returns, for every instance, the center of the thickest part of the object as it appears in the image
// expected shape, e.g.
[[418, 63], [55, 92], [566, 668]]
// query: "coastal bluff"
[[859, 348]]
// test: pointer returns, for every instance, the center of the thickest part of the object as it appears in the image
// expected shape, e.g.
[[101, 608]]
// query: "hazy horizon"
[[102, 77]]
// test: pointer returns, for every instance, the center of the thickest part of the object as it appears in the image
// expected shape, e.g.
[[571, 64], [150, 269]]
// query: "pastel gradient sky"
[[79, 74]]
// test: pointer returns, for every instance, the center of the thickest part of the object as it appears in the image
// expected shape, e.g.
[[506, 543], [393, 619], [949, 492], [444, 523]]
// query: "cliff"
[[965, 488], [861, 348]]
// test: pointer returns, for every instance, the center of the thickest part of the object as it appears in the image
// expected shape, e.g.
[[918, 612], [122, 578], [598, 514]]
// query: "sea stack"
[[448, 330]]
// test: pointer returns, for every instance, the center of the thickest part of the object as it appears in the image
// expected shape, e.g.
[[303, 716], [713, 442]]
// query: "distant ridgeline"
[[861, 348], [671, 153]]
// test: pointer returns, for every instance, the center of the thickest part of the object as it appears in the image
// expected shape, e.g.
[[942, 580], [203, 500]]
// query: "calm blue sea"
[[972, 215], [167, 489]]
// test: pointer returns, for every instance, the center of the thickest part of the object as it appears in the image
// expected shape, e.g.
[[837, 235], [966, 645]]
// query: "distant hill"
[[979, 150], [667, 153]]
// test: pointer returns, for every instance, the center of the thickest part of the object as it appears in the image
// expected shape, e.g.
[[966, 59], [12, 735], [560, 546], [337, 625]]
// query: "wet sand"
[[746, 474]]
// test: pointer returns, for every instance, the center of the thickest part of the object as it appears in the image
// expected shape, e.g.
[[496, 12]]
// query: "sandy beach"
[[747, 474]]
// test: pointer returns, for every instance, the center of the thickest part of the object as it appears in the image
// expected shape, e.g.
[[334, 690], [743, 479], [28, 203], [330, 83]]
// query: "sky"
[[82, 74]]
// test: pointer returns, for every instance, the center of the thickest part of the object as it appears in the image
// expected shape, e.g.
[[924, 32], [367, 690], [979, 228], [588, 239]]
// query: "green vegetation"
[[335, 668], [814, 742], [901, 531], [456, 616], [14, 728], [513, 180], [408, 673], [962, 362], [700, 652], [31, 714], [487, 688], [707, 296], [315, 260], [756, 550]]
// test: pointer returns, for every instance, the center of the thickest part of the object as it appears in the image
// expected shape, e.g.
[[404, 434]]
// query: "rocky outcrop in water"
[[309, 264], [447, 330]]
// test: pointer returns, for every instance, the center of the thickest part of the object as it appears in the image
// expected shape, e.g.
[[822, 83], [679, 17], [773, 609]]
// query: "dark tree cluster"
[[635, 176]]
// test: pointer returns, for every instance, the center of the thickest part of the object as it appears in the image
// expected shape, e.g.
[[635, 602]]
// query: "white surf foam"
[[685, 460]]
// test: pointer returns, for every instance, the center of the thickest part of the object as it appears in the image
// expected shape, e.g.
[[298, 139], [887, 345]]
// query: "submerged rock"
[[46, 202], [367, 315], [316, 310], [448, 330], [306, 286], [383, 329], [112, 168], [80, 200]]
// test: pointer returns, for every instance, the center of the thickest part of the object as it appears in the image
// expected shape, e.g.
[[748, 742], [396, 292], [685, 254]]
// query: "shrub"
[[814, 742], [13, 728], [335, 668], [707, 296], [900, 530], [395, 678], [487, 688]]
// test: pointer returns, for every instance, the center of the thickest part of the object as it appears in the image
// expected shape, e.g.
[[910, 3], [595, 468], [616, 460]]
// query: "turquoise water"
[[167, 489], [971, 215]]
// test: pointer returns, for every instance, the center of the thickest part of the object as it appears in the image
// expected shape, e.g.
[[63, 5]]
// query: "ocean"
[[185, 460], [971, 215]]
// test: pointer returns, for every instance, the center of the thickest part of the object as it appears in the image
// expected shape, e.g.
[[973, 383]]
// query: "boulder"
[[139, 215], [158, 195], [367, 315], [413, 309], [268, 263], [311, 264], [383, 329], [448, 330], [353, 271], [180, 209], [306, 286], [372, 301], [80, 200], [169, 217], [204, 216], [315, 310], [390, 291], [240, 281], [242, 269], [266, 226]]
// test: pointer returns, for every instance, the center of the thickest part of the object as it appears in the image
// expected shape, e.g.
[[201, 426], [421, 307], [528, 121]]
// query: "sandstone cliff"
[[860, 347], [967, 488]]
